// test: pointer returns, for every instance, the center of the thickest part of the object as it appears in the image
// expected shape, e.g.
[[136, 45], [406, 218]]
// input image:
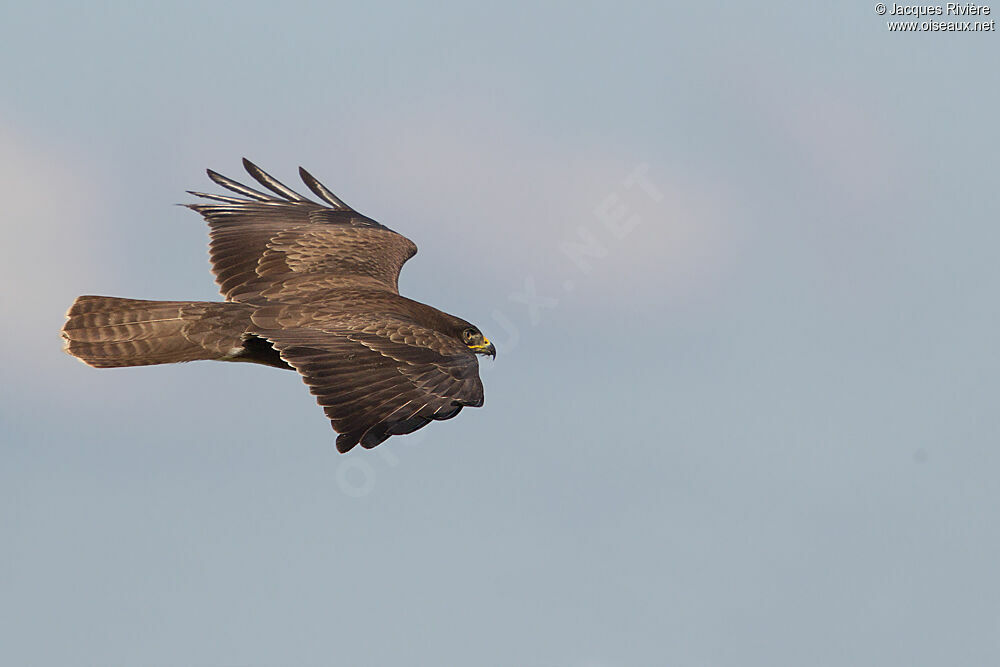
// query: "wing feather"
[[271, 183], [321, 191], [238, 188], [286, 248], [223, 198]]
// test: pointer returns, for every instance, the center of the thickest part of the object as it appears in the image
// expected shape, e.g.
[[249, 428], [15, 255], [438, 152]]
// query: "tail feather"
[[108, 332]]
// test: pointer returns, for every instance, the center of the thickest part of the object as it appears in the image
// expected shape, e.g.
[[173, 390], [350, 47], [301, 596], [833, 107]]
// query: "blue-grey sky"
[[740, 264]]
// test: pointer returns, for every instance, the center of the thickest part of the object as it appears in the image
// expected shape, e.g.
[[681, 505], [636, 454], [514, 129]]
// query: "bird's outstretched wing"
[[282, 247], [374, 377]]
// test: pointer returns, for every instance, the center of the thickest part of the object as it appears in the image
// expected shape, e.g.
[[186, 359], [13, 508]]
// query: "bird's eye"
[[469, 334]]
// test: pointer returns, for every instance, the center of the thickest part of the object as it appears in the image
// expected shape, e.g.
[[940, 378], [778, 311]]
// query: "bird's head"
[[477, 342]]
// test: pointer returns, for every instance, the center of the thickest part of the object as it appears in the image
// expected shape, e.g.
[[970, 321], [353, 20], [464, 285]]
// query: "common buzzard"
[[310, 287]]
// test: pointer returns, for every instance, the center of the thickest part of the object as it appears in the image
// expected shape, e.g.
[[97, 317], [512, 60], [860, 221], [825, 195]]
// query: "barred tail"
[[105, 332]]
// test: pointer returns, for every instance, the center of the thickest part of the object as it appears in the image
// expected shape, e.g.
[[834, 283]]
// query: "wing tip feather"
[[271, 183], [322, 191]]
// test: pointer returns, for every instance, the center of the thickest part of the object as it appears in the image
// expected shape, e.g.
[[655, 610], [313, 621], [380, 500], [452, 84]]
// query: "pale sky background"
[[758, 427]]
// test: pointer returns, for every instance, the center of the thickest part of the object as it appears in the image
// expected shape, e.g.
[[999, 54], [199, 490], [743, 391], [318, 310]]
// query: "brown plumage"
[[307, 286]]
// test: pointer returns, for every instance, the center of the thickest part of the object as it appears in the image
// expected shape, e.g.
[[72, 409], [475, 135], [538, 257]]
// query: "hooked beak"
[[485, 348]]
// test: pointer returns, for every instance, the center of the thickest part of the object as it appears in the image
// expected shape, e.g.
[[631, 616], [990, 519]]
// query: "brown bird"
[[309, 287]]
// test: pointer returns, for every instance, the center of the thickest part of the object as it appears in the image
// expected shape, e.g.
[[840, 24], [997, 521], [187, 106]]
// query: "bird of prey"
[[310, 287]]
